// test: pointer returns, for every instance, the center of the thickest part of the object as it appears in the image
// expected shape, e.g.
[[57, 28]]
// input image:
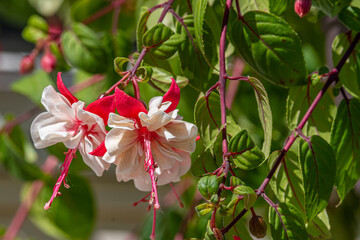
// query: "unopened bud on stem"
[[48, 62], [27, 64], [302, 7]]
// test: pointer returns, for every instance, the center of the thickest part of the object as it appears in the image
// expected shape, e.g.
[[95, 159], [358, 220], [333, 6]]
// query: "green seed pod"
[[257, 226]]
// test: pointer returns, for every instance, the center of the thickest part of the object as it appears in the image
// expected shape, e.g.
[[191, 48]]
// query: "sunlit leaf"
[[345, 141]]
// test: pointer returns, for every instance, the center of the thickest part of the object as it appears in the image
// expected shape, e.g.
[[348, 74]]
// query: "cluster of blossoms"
[[151, 147]]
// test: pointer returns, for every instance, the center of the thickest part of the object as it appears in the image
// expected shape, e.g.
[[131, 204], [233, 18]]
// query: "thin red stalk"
[[103, 11], [177, 196], [333, 77], [29, 200], [87, 83], [181, 21], [112, 88], [167, 7]]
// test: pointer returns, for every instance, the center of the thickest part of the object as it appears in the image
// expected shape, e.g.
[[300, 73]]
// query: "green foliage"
[[249, 195], [275, 45], [331, 7], [288, 183], [271, 47], [265, 114], [290, 226], [318, 167], [32, 85], [299, 100], [83, 49], [345, 142], [350, 16], [36, 29], [17, 156], [248, 156], [208, 186], [350, 75]]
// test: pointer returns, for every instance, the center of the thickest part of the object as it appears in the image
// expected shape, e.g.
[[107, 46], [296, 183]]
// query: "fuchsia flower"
[[80, 128], [148, 146]]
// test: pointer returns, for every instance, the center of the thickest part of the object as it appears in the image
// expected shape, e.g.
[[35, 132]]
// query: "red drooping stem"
[[64, 171]]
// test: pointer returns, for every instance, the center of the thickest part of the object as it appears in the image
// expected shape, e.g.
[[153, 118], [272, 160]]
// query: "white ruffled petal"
[[117, 121], [155, 121], [95, 163], [179, 135], [119, 140], [47, 130], [127, 161]]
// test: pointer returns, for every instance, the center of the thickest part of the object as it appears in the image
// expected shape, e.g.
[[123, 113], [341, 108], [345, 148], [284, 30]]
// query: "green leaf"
[[318, 167], [249, 156], [83, 49], [277, 7], [61, 64], [350, 74], [331, 7], [36, 29], [299, 101], [161, 79], [192, 60], [319, 227], [168, 48], [204, 208], [144, 73], [203, 162], [265, 114], [71, 216], [156, 35], [141, 27], [32, 85], [208, 120], [249, 194], [271, 47], [350, 16], [234, 181], [199, 15], [345, 141], [120, 64], [287, 182], [251, 5], [17, 156], [208, 186], [291, 226], [162, 41]]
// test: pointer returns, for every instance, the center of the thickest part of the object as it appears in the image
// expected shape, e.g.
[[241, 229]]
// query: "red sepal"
[[64, 91], [100, 150], [102, 107], [172, 95], [128, 106], [236, 237]]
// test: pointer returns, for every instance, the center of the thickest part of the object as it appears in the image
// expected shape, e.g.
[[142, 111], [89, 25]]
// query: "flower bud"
[[27, 64], [257, 226], [302, 7], [48, 62]]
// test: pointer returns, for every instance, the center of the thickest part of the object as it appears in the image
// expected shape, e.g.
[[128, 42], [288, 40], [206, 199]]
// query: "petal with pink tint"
[[64, 91], [172, 95]]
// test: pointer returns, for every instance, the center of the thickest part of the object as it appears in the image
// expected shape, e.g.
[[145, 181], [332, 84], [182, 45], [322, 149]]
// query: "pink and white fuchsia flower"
[[80, 128], [151, 147]]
